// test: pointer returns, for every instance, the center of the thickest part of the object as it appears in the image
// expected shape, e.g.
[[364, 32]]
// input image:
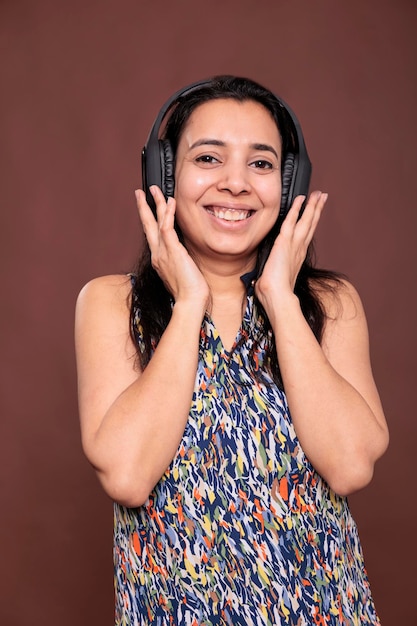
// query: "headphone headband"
[[158, 158]]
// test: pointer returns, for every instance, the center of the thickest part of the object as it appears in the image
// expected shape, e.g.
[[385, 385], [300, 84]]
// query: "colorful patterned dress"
[[240, 530]]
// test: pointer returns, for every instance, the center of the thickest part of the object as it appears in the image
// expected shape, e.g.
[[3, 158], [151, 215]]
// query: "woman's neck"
[[224, 277]]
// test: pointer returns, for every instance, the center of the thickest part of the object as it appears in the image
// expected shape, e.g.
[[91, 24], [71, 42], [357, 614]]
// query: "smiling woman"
[[226, 395]]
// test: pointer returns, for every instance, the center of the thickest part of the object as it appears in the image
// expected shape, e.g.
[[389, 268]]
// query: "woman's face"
[[228, 179]]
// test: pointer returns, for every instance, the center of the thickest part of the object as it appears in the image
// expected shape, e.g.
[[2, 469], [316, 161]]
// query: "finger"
[[304, 223], [169, 216], [311, 205], [149, 224], [294, 212], [318, 208], [160, 203]]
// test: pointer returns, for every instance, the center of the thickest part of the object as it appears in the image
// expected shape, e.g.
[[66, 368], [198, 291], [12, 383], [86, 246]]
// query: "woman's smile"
[[229, 213]]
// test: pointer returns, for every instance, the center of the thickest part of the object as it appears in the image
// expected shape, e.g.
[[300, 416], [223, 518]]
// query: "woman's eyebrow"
[[207, 142], [262, 147]]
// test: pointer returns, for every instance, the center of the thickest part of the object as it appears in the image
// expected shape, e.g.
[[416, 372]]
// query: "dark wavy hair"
[[149, 294]]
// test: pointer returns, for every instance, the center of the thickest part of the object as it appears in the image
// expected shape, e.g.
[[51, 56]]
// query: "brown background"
[[81, 82]]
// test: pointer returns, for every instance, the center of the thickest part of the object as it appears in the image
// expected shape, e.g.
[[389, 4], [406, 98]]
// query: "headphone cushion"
[[287, 179], [167, 168]]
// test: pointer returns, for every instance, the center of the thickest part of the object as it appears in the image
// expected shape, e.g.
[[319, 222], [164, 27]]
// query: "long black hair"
[[149, 295]]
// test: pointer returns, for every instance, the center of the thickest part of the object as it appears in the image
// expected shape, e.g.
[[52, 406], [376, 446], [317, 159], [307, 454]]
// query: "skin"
[[228, 161]]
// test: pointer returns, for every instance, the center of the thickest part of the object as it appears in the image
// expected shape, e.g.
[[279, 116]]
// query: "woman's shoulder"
[[111, 293], [339, 298], [111, 284]]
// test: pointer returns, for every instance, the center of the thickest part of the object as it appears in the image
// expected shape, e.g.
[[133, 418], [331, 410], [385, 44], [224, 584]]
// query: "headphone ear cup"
[[286, 184], [167, 168]]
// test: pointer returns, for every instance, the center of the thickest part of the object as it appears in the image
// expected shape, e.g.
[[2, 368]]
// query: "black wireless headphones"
[[158, 160]]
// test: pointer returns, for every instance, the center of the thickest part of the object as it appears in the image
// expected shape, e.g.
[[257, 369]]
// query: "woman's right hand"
[[169, 257]]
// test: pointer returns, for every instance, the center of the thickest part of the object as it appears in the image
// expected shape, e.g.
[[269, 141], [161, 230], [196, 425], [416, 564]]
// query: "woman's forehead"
[[231, 119]]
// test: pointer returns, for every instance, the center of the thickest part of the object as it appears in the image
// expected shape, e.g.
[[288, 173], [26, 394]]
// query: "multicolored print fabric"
[[240, 530]]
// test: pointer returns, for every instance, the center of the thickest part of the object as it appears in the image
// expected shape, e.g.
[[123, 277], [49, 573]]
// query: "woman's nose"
[[234, 177]]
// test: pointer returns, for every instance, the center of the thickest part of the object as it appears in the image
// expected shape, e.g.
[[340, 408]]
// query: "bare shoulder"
[[340, 301], [102, 316], [115, 290], [345, 331]]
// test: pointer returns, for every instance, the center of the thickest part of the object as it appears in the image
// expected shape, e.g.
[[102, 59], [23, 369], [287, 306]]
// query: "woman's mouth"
[[229, 215]]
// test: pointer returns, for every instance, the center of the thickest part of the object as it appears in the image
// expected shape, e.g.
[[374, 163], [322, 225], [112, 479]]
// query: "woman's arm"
[[132, 422], [331, 393], [330, 389]]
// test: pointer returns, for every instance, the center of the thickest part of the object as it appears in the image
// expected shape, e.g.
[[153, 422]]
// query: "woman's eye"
[[206, 158], [262, 164]]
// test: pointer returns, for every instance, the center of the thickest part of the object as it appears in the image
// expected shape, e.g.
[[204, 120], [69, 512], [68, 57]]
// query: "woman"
[[226, 395]]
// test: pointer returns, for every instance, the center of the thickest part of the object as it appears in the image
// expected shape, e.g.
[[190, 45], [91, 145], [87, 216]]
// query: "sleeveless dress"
[[240, 530]]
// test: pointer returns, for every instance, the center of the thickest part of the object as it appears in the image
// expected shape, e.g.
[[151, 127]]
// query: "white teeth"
[[230, 215]]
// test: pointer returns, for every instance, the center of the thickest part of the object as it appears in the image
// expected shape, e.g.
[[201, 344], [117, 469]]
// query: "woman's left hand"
[[290, 248]]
